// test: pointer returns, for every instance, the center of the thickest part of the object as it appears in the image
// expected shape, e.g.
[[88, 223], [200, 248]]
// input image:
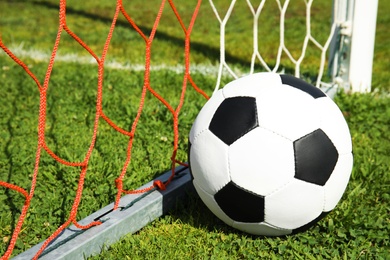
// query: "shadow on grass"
[[10, 198], [194, 212], [204, 49]]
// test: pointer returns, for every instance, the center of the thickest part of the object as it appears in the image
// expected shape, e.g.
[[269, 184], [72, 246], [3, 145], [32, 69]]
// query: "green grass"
[[357, 229]]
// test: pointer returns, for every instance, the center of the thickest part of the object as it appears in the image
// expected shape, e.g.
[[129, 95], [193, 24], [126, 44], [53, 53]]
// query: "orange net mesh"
[[100, 61]]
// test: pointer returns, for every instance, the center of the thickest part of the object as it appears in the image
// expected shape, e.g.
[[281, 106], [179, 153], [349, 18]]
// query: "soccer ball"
[[270, 154]]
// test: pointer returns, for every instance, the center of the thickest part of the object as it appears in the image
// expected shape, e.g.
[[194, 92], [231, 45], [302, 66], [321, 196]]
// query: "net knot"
[[159, 184], [118, 183]]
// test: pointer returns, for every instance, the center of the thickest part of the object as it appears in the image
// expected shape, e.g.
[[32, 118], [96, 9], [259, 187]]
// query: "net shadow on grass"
[[212, 53], [10, 201]]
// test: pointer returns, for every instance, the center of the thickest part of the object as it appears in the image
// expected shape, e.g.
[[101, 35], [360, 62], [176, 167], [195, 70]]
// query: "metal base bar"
[[135, 211]]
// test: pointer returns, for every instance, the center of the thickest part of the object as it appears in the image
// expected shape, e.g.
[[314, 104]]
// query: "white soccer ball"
[[270, 154]]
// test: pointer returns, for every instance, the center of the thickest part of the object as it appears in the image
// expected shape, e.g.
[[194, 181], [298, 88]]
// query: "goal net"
[[108, 104]]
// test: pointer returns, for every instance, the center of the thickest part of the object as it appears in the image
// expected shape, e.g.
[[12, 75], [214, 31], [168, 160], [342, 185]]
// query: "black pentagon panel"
[[310, 224], [239, 204], [302, 85], [234, 118], [315, 157]]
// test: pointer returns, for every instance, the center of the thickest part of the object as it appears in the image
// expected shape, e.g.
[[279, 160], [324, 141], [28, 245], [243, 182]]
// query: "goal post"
[[352, 49]]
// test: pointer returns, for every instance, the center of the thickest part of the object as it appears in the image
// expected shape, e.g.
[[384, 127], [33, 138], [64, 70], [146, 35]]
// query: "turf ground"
[[357, 229]]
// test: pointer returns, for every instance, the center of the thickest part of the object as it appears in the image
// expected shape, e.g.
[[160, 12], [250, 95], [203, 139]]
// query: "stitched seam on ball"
[[223, 93], [271, 131], [324, 200], [295, 159], [278, 189], [249, 191], [198, 134], [276, 227]]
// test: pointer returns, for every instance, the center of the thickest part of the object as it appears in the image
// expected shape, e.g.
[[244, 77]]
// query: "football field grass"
[[358, 228]]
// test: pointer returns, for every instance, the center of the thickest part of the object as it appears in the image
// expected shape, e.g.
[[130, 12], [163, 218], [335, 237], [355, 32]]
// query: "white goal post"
[[352, 48]]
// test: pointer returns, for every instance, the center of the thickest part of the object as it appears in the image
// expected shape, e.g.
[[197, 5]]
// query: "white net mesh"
[[283, 52]]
